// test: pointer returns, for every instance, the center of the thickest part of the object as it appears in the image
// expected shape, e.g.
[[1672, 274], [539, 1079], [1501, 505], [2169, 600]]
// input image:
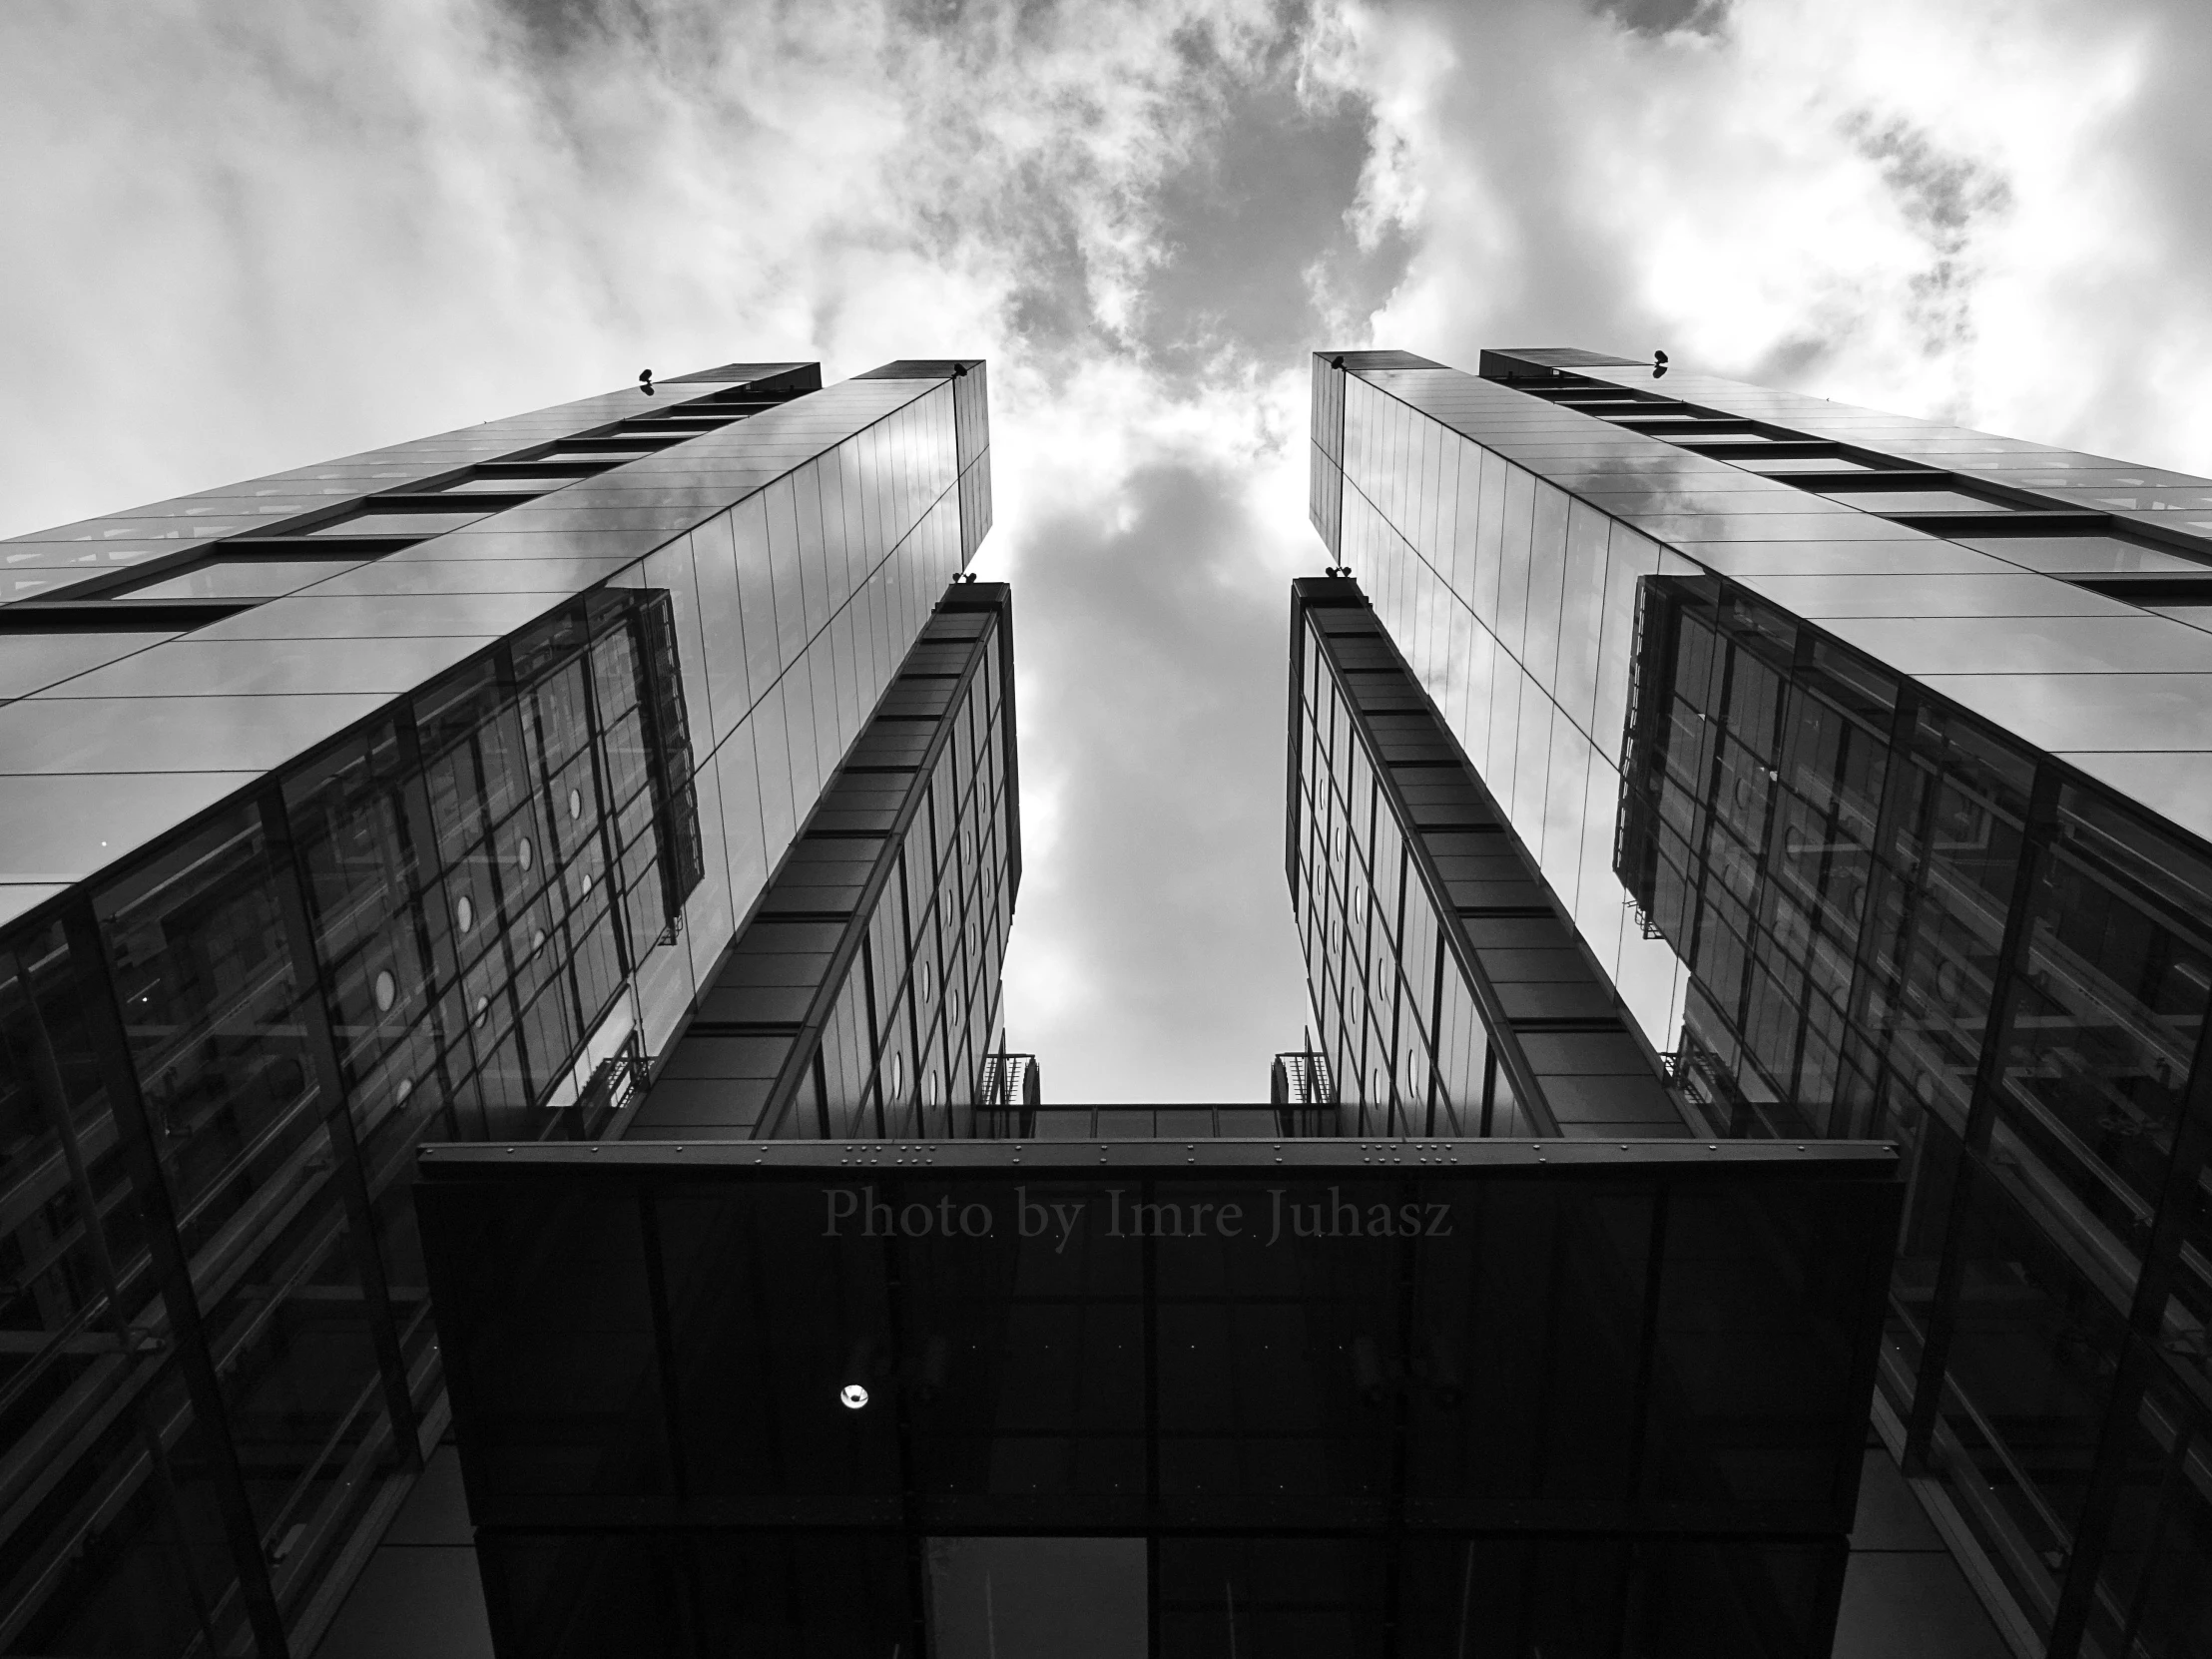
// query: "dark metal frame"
[[636, 1169]]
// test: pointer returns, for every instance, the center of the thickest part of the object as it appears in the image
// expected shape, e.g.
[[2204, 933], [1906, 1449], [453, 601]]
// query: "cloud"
[[1665, 17], [245, 236], [264, 235], [1983, 211], [1154, 955], [291, 230]]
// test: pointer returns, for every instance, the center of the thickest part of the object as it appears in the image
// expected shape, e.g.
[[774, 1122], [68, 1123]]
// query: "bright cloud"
[[246, 234]]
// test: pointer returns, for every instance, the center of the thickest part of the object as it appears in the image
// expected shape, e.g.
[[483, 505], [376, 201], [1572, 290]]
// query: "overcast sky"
[[251, 233]]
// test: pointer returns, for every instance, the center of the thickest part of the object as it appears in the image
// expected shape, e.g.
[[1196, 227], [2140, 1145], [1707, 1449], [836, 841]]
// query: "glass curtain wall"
[[1450, 996], [1514, 605], [413, 934], [792, 613], [862, 998], [1867, 914], [927, 981], [1395, 1020], [215, 1066], [1904, 926]]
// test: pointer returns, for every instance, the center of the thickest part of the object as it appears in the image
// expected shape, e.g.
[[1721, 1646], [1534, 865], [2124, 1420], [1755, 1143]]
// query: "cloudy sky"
[[249, 234]]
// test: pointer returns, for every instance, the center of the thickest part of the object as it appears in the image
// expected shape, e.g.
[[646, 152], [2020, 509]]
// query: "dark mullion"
[[424, 878], [603, 812], [134, 1136], [483, 844], [2177, 1196], [337, 1120], [1436, 1031], [537, 758], [53, 1096], [1981, 1114]]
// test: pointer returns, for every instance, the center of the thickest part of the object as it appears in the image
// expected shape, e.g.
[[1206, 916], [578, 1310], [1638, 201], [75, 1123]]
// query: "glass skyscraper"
[[499, 997], [435, 793], [1785, 771], [1488, 1347]]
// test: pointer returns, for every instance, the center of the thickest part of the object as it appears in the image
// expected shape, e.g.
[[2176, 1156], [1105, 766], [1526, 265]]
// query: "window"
[[245, 576], [399, 523], [1917, 501]]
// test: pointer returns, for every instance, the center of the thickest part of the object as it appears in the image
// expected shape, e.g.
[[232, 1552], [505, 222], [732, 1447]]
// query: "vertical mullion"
[[46, 1077], [1928, 1391], [2161, 1260], [412, 788], [605, 807], [554, 865], [338, 1119], [864, 964], [1897, 777], [1435, 1029], [135, 1135]]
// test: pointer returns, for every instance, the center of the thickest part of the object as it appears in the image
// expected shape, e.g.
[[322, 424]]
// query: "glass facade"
[[431, 830], [864, 998], [521, 453], [1869, 757], [780, 1397], [1450, 994]]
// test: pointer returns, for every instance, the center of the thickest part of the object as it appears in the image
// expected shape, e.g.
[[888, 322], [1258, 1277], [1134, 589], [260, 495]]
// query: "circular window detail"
[[575, 805], [1792, 843], [525, 854], [896, 1075], [464, 912], [930, 1089], [387, 990], [587, 883], [1854, 895], [1924, 1089], [925, 980], [483, 1011], [1947, 981], [406, 1088], [537, 942]]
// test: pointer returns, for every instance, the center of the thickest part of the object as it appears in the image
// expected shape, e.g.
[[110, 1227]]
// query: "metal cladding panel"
[[971, 418], [1325, 487]]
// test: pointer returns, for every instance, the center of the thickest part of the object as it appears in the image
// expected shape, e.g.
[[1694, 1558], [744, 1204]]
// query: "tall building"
[[499, 1006], [496, 786], [823, 1348], [1448, 995], [800, 1359], [1672, 755]]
